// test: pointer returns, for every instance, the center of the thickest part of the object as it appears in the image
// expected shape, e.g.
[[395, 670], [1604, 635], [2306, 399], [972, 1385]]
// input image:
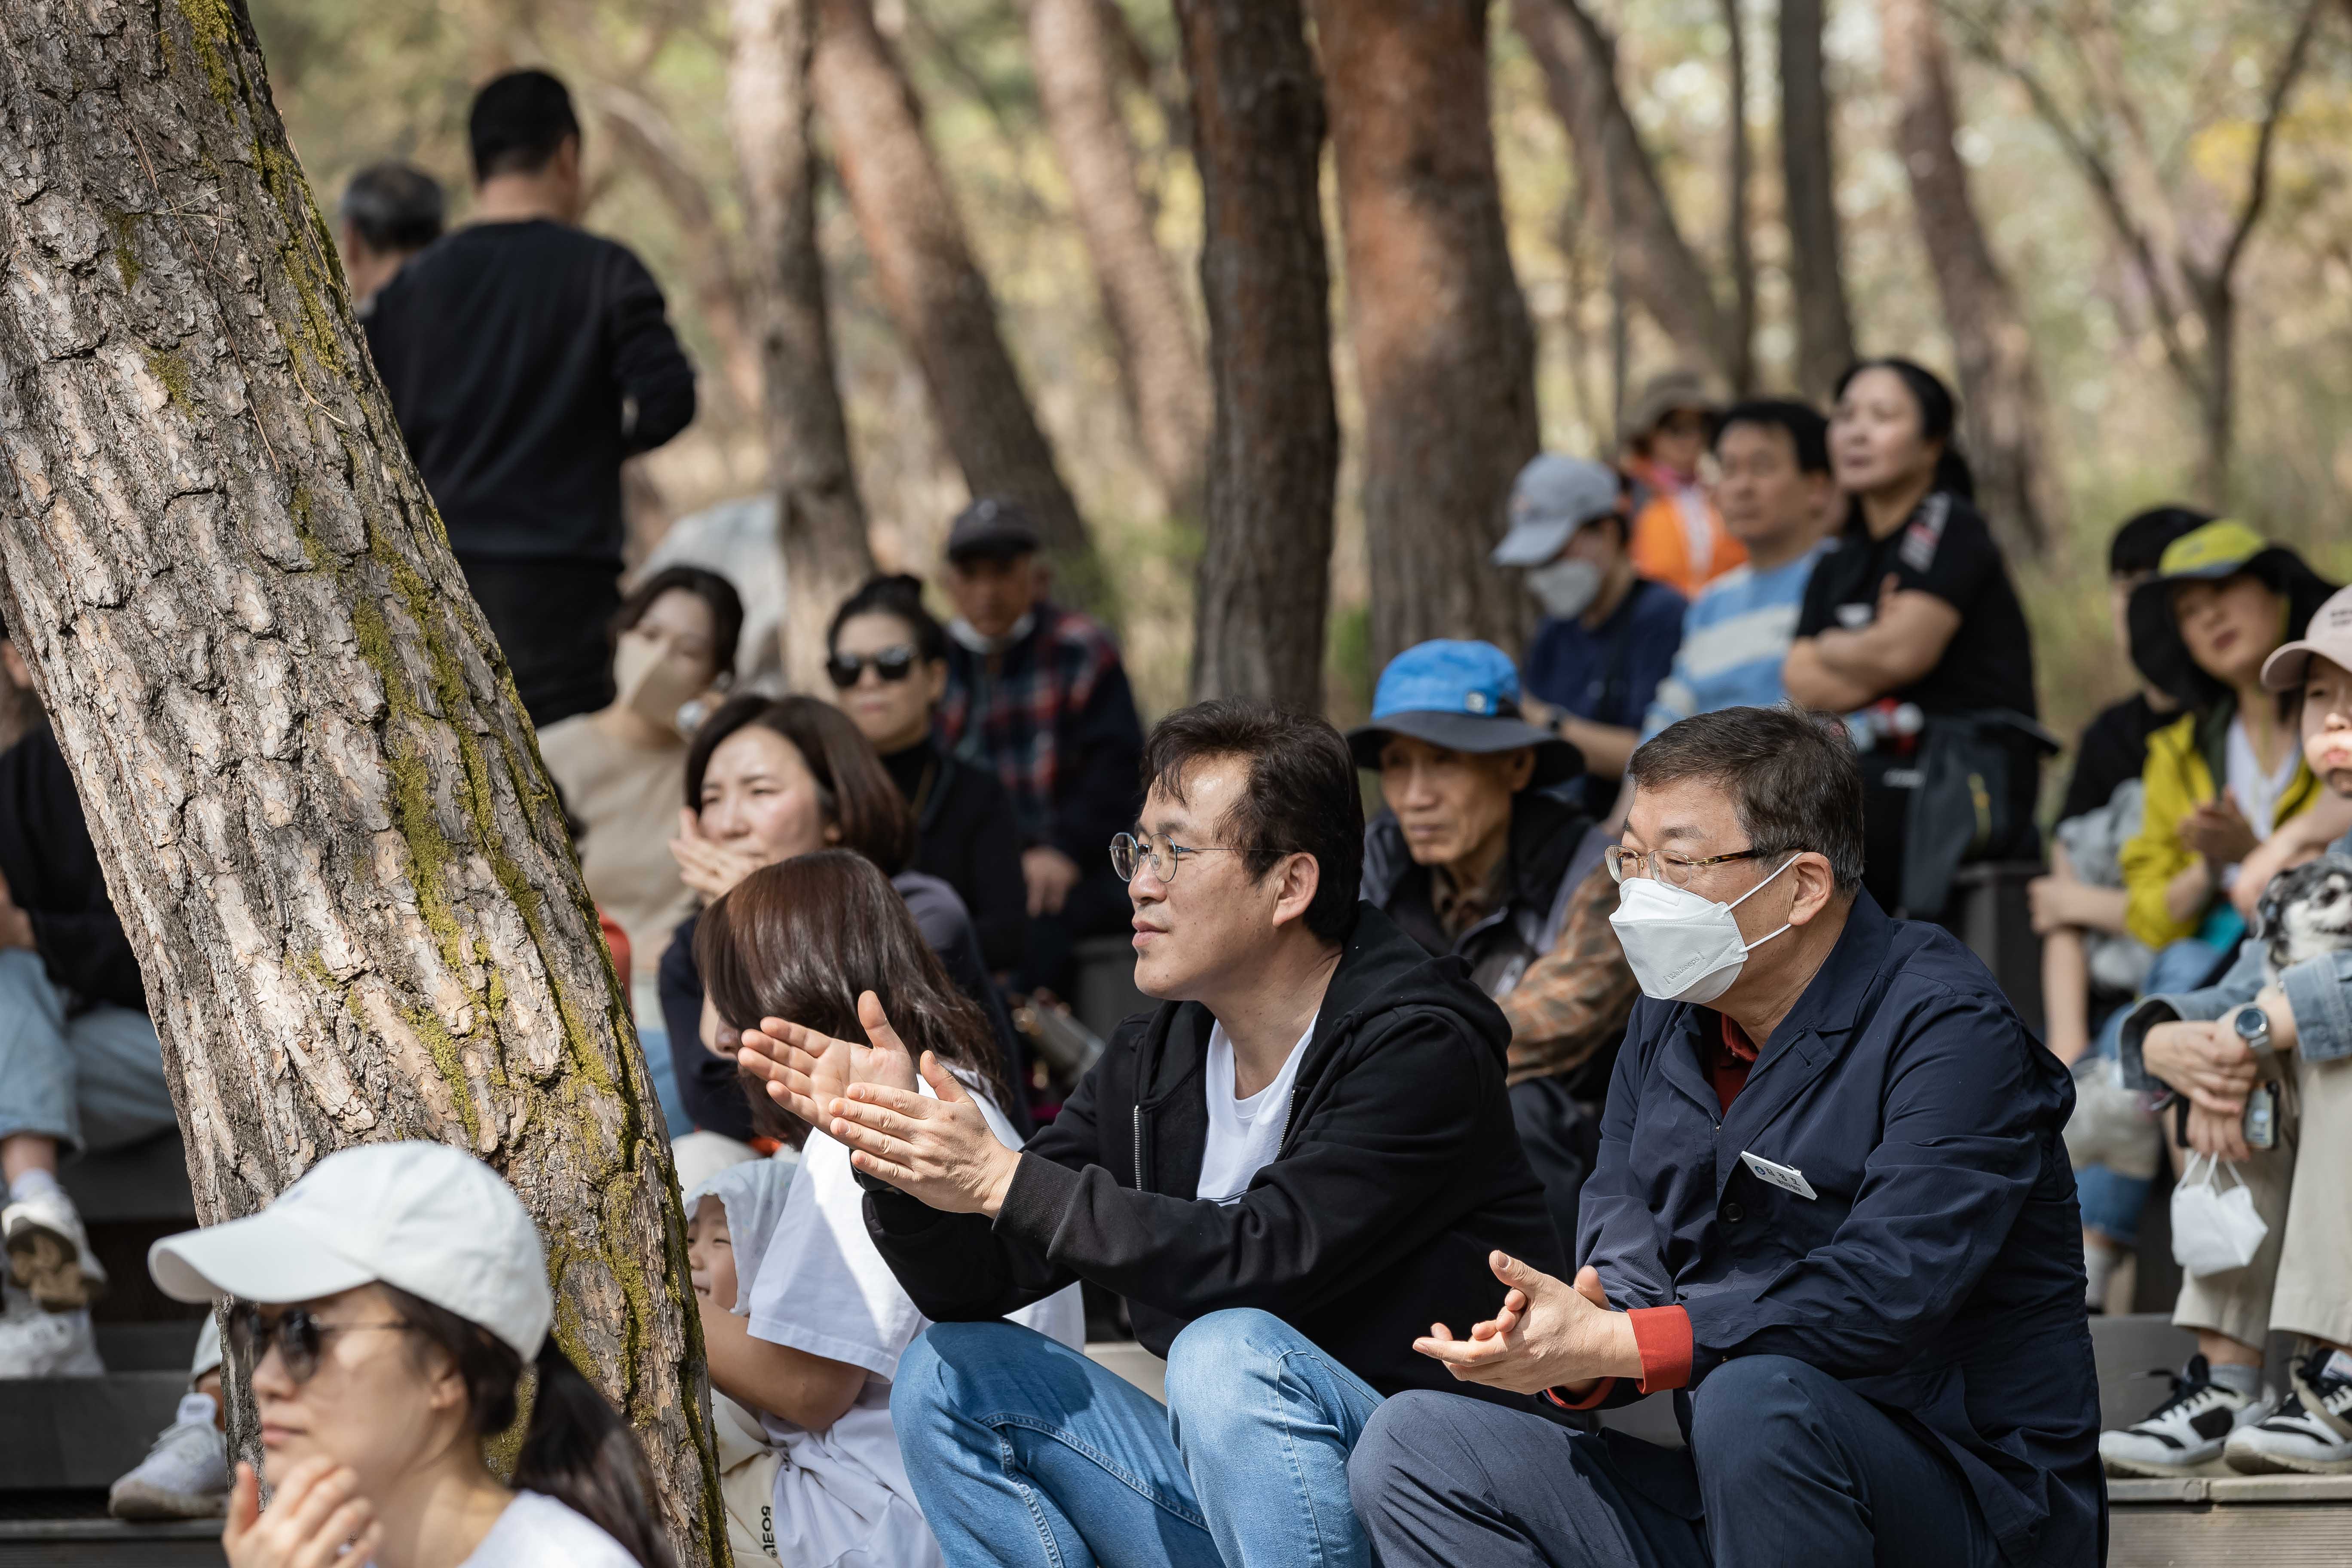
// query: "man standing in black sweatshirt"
[[526, 358], [1290, 1169]]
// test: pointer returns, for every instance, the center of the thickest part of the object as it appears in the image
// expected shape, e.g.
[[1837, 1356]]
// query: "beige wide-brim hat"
[[2329, 635]]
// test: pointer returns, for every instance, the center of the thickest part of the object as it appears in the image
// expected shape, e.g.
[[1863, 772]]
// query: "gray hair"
[[1792, 776]]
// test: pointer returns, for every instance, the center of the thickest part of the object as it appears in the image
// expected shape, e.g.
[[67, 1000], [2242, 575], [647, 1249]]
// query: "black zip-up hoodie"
[[1399, 1170]]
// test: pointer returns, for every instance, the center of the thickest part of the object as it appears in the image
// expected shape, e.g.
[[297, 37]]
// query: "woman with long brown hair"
[[823, 939]]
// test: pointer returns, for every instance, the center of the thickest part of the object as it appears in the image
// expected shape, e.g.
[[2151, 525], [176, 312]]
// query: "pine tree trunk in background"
[[320, 808], [2005, 419], [1808, 176], [934, 288], [1738, 236], [820, 518], [1070, 48], [1614, 171], [1264, 579], [1444, 353]]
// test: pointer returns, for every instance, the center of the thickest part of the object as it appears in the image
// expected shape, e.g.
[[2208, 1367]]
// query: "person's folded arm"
[[1814, 684], [1607, 748], [2318, 992], [1965, 1132], [2238, 985], [806, 1390], [1908, 638], [1325, 1219], [1574, 999]]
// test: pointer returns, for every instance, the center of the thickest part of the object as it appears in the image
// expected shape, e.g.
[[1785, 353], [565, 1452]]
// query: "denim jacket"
[[2318, 992]]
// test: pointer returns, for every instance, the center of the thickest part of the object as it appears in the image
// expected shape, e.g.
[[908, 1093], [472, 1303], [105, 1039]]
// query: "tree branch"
[[2258, 189]]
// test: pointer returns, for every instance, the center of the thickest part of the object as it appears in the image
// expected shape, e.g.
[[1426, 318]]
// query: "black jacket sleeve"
[[654, 376], [1104, 741], [707, 1085], [1318, 1223]]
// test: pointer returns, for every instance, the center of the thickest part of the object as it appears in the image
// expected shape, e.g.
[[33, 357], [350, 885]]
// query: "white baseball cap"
[[2329, 635], [423, 1217]]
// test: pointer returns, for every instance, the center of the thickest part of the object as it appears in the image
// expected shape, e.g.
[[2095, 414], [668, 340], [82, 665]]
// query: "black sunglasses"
[[892, 664], [299, 1336]]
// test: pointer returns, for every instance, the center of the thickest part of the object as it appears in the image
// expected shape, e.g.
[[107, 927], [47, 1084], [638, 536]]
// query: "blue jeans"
[[91, 1080], [1024, 1451], [1787, 1465]]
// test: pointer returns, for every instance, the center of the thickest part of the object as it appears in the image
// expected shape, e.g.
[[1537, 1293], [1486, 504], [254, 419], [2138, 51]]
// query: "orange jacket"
[[1664, 533]]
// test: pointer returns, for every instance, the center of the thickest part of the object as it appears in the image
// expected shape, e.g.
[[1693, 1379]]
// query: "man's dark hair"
[[1301, 797], [900, 596], [1808, 432], [725, 604], [2138, 545], [1792, 778], [394, 207], [517, 121]]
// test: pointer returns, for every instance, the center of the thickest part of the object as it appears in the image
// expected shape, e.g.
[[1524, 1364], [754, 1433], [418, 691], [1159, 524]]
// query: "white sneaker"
[[35, 1343], [183, 1476], [49, 1251], [2187, 1431], [2312, 1433]]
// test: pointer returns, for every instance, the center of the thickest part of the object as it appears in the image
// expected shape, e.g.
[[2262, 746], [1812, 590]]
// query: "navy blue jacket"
[[1939, 1270]]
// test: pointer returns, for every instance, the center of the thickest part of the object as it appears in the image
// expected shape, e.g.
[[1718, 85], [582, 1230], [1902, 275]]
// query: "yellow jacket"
[[2183, 761]]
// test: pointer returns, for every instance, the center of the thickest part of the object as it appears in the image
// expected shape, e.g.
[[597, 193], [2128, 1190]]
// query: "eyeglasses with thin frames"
[[297, 1332], [1674, 870], [1128, 852]]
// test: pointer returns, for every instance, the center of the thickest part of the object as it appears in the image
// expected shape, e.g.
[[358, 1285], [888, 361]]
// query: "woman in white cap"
[[387, 1304]]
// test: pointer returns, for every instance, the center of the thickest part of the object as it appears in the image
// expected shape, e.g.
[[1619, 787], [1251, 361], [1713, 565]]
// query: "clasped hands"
[[940, 1150], [2207, 1063], [1548, 1334]]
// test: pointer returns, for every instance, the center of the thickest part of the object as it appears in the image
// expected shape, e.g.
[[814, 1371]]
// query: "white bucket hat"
[[423, 1217]]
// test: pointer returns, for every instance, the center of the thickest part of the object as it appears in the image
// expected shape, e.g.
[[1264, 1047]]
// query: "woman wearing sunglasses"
[[767, 779], [387, 1304], [887, 660]]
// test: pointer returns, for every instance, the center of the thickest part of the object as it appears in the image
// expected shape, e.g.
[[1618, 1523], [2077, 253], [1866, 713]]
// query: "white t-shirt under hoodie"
[[842, 1499], [1245, 1135], [538, 1531]]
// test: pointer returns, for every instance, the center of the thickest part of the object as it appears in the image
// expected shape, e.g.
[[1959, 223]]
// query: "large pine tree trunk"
[[1264, 587], [1444, 353], [820, 518], [1613, 170], [1809, 177], [1071, 48], [933, 285], [320, 808], [2005, 421]]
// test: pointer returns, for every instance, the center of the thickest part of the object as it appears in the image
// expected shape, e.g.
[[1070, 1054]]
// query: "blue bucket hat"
[[1464, 696]]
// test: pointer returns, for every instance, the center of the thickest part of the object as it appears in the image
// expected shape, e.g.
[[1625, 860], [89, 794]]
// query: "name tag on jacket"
[[1786, 1177]]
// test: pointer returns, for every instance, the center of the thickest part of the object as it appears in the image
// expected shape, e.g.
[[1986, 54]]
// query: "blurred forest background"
[[2109, 149]]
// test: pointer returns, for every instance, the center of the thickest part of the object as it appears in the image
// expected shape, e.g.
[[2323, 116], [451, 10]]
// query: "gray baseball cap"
[[1551, 499]]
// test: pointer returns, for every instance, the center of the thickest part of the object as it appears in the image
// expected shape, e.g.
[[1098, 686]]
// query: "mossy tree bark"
[[1264, 577], [321, 807], [1444, 351], [820, 516], [934, 288]]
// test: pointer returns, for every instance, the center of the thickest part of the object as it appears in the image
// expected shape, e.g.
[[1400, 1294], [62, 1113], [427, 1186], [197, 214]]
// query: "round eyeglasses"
[[1129, 852], [299, 1336]]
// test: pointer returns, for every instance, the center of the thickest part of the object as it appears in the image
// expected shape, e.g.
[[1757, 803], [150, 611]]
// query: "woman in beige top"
[[622, 769]]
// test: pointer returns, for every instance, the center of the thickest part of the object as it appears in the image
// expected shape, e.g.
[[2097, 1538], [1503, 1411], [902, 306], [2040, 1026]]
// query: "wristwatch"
[[2253, 1025]]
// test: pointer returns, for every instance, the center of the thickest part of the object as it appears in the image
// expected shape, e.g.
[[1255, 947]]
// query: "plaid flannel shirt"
[[1054, 719], [1575, 998]]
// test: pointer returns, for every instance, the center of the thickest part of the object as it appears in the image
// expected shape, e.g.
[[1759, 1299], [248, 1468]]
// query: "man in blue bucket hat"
[[1478, 854]]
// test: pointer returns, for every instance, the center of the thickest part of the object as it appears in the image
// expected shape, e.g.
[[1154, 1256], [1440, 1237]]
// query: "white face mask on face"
[[1680, 946], [1565, 588]]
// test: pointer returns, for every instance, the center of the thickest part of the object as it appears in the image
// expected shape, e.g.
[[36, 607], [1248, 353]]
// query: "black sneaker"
[[2187, 1431]]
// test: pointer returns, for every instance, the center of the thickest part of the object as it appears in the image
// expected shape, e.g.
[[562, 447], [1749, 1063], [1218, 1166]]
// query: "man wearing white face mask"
[[1608, 635], [1832, 1212]]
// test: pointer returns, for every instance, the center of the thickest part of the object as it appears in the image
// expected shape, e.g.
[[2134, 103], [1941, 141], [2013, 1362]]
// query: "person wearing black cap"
[[1474, 854], [1037, 693], [525, 359]]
